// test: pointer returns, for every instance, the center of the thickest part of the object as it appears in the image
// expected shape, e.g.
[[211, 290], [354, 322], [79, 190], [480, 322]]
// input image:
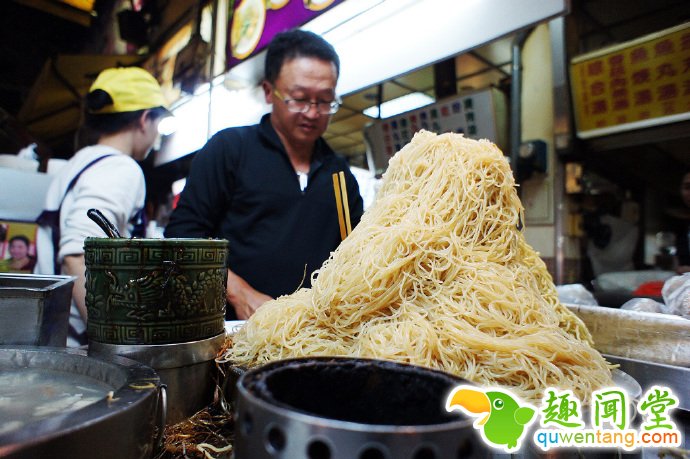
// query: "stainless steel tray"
[[650, 373], [34, 309]]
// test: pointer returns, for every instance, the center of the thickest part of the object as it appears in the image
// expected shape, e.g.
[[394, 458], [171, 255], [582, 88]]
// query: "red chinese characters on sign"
[[686, 65], [641, 76], [685, 41], [595, 68], [663, 48], [667, 91], [669, 107], [638, 55], [619, 83], [598, 88], [620, 104], [599, 107], [666, 70], [643, 97], [617, 71], [616, 60], [646, 80]]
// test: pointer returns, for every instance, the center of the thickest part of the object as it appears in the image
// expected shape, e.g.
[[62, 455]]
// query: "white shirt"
[[114, 185]]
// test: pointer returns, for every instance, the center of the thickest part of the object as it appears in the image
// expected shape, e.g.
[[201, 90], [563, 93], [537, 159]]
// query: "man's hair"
[[297, 43]]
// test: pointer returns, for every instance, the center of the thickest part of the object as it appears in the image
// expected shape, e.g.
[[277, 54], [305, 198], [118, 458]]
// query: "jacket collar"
[[269, 134]]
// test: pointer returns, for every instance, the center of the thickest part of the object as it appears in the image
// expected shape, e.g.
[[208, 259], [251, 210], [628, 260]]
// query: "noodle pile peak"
[[438, 274]]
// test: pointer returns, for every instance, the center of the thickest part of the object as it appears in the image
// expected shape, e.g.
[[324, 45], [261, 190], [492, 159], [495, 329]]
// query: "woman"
[[122, 112], [20, 260]]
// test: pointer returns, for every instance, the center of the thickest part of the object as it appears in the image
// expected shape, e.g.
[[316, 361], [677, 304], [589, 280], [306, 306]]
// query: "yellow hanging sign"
[[637, 84]]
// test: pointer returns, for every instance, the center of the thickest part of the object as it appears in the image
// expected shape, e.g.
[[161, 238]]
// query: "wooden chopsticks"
[[341, 202]]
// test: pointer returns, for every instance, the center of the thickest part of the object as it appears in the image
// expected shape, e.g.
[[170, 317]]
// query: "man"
[[268, 188], [122, 112]]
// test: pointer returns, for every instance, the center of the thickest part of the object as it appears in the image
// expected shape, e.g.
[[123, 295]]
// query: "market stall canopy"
[[52, 110], [78, 11]]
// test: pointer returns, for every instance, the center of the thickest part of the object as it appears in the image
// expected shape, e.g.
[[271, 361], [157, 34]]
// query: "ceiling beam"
[[61, 10], [489, 63], [483, 71]]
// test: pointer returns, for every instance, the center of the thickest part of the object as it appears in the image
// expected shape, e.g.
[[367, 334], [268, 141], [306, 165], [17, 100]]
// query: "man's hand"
[[245, 299]]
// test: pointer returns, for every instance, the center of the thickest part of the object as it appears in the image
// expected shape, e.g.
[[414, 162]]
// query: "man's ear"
[[268, 91]]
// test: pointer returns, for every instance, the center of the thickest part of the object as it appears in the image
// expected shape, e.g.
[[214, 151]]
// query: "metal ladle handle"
[[108, 228], [162, 412]]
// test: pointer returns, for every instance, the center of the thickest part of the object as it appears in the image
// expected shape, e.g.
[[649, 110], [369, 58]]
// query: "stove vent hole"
[[372, 452], [425, 452], [276, 439], [318, 449]]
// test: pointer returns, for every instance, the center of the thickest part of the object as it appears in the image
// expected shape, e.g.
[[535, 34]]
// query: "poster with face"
[[17, 246]]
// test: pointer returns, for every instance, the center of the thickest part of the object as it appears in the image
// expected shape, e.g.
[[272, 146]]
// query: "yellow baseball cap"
[[130, 88]]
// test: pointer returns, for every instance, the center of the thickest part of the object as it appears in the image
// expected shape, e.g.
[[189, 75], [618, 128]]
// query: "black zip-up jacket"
[[242, 187]]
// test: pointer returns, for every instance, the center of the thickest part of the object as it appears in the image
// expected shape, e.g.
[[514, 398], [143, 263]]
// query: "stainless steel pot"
[[333, 408], [187, 369], [127, 424]]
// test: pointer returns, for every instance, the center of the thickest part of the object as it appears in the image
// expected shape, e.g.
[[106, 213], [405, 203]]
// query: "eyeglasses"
[[304, 105]]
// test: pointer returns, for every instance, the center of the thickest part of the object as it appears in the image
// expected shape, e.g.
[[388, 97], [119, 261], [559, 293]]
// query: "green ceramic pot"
[[155, 291]]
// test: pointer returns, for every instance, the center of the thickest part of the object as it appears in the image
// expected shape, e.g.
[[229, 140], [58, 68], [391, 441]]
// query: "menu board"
[[253, 23], [477, 115], [637, 84]]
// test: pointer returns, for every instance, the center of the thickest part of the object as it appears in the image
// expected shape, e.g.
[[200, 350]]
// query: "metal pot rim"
[[161, 356], [146, 242], [140, 382], [302, 417]]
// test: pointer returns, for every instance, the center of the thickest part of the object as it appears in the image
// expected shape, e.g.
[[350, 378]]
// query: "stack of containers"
[[160, 302]]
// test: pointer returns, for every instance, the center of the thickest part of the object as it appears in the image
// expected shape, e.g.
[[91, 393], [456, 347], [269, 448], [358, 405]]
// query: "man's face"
[[304, 79], [685, 189]]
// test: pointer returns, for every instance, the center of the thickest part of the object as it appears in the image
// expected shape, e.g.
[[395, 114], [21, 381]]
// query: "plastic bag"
[[676, 293], [643, 305], [575, 294]]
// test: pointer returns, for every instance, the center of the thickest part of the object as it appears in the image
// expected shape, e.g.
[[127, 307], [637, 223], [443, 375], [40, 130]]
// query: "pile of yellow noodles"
[[437, 274]]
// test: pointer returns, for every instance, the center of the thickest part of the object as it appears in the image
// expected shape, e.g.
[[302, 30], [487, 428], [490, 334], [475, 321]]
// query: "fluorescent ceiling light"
[[198, 117], [368, 20], [340, 14], [354, 16], [383, 39], [400, 105]]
